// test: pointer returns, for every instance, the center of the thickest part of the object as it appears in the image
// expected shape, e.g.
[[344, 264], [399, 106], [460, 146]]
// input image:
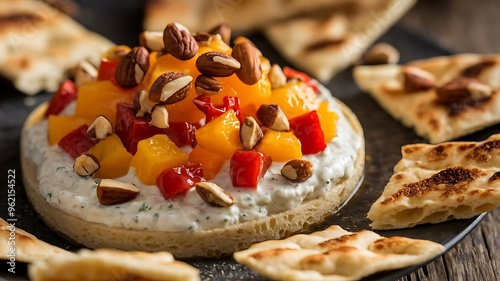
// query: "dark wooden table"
[[463, 26]]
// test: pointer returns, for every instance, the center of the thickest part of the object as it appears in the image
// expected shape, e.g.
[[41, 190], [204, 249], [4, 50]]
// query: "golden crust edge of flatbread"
[[109, 264], [185, 244]]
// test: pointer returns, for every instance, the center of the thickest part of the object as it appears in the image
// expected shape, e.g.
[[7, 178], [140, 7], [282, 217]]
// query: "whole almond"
[[217, 64], [152, 40], [170, 87], [250, 71], [179, 42], [132, 68], [381, 53], [224, 30], [416, 79], [206, 85], [463, 89]]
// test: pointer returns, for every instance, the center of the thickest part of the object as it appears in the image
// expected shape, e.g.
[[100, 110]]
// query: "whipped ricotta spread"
[[76, 196]]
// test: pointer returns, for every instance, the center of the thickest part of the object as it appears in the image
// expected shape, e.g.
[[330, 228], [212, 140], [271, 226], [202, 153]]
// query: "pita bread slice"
[[39, 45], [199, 15], [422, 109], [325, 45], [23, 246], [107, 264], [435, 183], [335, 254]]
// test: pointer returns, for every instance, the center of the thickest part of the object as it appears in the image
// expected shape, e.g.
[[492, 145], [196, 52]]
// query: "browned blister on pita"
[[455, 95], [335, 254], [435, 183]]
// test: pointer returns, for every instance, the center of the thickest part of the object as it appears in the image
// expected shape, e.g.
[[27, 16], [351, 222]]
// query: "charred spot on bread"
[[450, 181]]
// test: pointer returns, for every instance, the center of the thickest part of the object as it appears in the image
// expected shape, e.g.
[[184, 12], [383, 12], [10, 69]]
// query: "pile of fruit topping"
[[180, 90]]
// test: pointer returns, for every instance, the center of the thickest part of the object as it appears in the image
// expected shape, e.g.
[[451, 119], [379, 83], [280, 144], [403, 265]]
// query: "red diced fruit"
[[177, 180], [132, 129], [247, 167], [77, 142], [307, 128], [107, 70], [65, 94], [211, 111], [292, 73]]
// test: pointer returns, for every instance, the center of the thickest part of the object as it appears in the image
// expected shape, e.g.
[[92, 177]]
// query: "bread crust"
[[185, 244]]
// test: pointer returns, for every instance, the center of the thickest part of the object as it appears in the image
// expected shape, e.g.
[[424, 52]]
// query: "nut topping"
[[179, 41], [488, 71], [463, 89], [206, 85], [217, 64], [142, 103], [202, 38], [100, 128], [277, 77], [152, 40], [416, 79], [170, 87], [381, 53], [224, 30], [214, 195], [85, 72], [273, 117], [250, 133], [297, 170], [86, 165], [250, 71], [159, 117], [132, 67], [111, 192]]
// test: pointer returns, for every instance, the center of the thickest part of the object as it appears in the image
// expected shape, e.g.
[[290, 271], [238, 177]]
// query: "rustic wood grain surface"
[[462, 26]]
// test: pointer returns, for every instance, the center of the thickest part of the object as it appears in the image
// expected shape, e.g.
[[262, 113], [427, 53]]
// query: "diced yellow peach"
[[100, 98], [327, 120], [60, 126], [281, 146], [154, 155], [211, 162], [295, 99], [221, 135], [113, 157]]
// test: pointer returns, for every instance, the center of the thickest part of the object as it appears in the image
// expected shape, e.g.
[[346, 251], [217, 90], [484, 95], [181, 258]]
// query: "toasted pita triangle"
[[435, 183]]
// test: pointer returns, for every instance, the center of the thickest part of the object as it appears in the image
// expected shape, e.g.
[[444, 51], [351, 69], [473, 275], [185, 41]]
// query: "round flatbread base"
[[185, 244]]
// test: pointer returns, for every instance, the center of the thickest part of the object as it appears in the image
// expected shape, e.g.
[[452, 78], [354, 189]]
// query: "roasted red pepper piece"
[[132, 129], [107, 70], [247, 167], [292, 73], [77, 142], [66, 93], [205, 105], [307, 129], [177, 180], [233, 103]]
